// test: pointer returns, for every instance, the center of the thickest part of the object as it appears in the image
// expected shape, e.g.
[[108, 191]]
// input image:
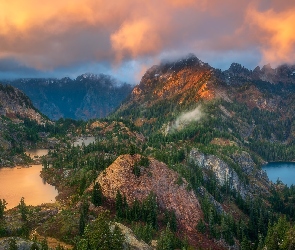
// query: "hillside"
[[86, 97], [18, 125], [179, 164], [255, 108]]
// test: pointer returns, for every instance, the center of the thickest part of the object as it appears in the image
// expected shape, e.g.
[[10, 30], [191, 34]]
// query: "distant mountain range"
[[86, 97]]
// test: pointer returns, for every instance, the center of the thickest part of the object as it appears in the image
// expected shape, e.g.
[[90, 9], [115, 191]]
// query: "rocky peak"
[[185, 81], [170, 189], [236, 68]]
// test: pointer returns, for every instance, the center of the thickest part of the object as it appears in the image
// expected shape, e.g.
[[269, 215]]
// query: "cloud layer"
[[50, 35]]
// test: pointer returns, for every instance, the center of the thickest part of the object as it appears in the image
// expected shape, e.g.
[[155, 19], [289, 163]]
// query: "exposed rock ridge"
[[188, 79], [171, 191], [221, 170], [258, 180]]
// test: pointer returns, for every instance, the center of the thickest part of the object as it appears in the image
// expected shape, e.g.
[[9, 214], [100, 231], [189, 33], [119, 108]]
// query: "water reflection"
[[25, 182]]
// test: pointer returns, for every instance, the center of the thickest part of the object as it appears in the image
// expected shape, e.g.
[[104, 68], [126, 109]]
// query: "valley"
[[174, 163]]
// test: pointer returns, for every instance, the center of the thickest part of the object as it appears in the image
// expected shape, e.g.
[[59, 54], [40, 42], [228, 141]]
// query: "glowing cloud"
[[50, 35], [135, 38], [275, 33]]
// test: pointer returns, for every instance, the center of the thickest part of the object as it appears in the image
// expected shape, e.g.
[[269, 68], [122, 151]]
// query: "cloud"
[[137, 38], [52, 35], [184, 119], [275, 34]]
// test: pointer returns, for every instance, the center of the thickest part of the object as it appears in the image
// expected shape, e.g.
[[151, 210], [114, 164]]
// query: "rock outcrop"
[[258, 180], [222, 171], [170, 189], [132, 242]]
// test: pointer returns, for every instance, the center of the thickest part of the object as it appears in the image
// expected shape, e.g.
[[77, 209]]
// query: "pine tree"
[[81, 223], [99, 235], [44, 244], [23, 209], [3, 204], [12, 244], [119, 205], [166, 239], [34, 246], [97, 196]]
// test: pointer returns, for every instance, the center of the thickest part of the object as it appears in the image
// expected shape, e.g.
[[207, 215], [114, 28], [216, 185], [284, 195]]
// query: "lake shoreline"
[[280, 170]]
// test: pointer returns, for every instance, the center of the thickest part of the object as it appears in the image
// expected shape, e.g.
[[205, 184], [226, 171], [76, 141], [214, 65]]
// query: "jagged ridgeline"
[[86, 97], [191, 100]]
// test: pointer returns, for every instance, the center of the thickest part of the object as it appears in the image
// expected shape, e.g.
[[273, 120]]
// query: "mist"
[[184, 119]]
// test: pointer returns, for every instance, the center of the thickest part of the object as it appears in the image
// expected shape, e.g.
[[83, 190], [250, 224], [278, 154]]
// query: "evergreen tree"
[[12, 244], [23, 209], [34, 246], [97, 196], [83, 216], [119, 204], [81, 223], [99, 235], [3, 204], [44, 244], [170, 218], [166, 240]]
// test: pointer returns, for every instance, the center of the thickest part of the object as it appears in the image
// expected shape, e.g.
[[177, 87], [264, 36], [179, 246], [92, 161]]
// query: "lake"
[[285, 171], [25, 182], [86, 140]]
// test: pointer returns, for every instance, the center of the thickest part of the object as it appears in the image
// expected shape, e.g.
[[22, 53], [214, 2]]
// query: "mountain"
[[257, 107], [179, 164], [86, 97], [18, 121]]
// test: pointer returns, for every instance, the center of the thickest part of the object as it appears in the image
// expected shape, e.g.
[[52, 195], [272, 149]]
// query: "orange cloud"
[[55, 33], [137, 37], [275, 32]]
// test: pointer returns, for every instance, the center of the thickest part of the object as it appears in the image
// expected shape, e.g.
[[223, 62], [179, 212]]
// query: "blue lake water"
[[284, 171]]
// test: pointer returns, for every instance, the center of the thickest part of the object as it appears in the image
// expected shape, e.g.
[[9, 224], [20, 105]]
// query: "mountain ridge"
[[87, 96]]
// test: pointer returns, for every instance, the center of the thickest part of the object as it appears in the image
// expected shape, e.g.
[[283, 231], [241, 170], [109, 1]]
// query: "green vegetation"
[[3, 204], [248, 216], [99, 234]]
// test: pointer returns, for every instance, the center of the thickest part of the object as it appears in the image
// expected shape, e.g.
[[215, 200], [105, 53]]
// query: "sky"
[[54, 38]]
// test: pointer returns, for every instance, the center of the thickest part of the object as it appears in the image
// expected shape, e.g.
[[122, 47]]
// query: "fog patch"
[[184, 119]]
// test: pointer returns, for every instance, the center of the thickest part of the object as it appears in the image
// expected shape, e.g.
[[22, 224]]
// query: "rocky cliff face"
[[171, 191], [258, 180]]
